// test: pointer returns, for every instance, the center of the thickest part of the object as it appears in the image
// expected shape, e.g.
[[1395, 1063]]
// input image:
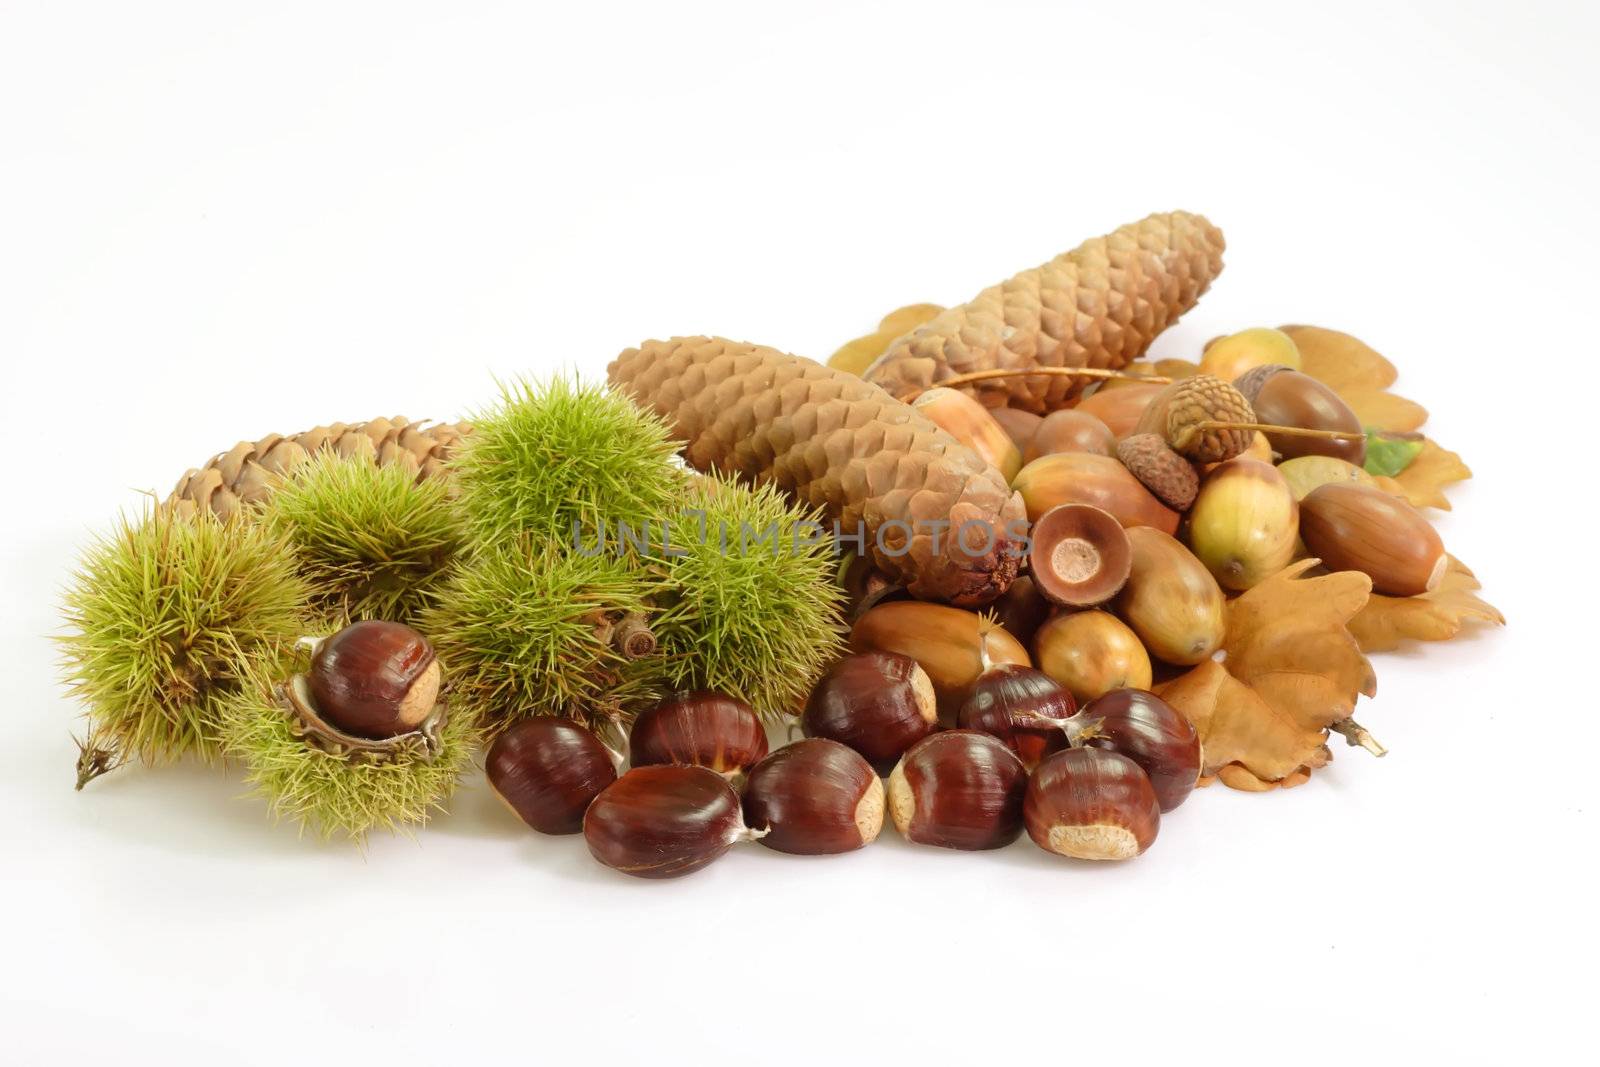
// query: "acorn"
[[958, 789], [969, 422], [946, 642], [702, 729], [1120, 409], [1090, 653], [665, 821], [1230, 356], [548, 771], [1361, 528], [1168, 476], [1091, 804], [1171, 601], [1070, 430], [1202, 418], [814, 797], [374, 679], [877, 703], [1019, 425], [1305, 473], [1084, 478], [1152, 733], [1282, 396], [1243, 523], [1079, 555]]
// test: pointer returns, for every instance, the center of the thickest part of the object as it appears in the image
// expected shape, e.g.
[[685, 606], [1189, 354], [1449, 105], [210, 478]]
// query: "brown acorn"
[[1281, 396], [946, 642], [1091, 804], [1070, 430], [1149, 731], [1021, 609], [1120, 409], [1091, 652], [665, 821], [969, 422], [703, 729], [1084, 478], [375, 679], [548, 771], [958, 789], [1019, 425], [1171, 600], [1079, 555], [1361, 528], [876, 703], [814, 797]]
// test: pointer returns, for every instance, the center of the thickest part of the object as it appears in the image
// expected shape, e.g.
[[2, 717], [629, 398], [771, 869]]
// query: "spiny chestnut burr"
[[1091, 804], [375, 679], [1153, 734], [1080, 555], [701, 728], [1022, 707], [958, 789], [664, 821], [878, 703], [548, 771], [814, 797]]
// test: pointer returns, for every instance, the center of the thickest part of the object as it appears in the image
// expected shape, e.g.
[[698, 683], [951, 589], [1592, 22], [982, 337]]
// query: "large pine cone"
[[1099, 305], [840, 444]]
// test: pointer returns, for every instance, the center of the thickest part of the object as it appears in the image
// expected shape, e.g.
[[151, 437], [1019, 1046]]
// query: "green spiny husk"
[[373, 541], [163, 615], [753, 617], [327, 794], [553, 454], [525, 628]]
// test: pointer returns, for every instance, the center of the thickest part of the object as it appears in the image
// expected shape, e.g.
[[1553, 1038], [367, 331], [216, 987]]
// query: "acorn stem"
[[1358, 736], [1289, 431], [1053, 372]]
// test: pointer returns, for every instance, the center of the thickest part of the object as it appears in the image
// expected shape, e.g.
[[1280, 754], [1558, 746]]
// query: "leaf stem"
[[1358, 736]]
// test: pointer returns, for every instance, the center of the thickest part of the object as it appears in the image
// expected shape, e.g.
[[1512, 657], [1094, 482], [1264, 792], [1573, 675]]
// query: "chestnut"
[[1080, 555], [548, 771], [1153, 734], [1091, 804], [1023, 707], [664, 821], [958, 789], [374, 679], [701, 728], [814, 797], [878, 703]]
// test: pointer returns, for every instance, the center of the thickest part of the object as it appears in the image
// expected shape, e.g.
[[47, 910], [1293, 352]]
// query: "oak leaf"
[[1424, 479], [1291, 668], [857, 355], [1386, 622]]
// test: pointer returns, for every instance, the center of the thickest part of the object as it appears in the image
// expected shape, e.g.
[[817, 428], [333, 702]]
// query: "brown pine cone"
[[840, 444], [1099, 305], [246, 473]]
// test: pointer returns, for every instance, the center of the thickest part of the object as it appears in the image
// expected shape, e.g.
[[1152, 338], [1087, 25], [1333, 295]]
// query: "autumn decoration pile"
[[1002, 571]]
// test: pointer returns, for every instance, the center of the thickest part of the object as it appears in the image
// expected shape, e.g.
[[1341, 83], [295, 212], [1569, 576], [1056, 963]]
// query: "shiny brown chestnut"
[[1080, 555], [958, 789], [700, 728], [1153, 734], [548, 771], [878, 703], [664, 821], [1091, 804], [814, 797], [375, 679], [1023, 707]]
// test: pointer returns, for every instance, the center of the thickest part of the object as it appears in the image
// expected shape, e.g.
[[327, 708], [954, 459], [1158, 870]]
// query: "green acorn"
[[336, 790], [753, 610], [562, 452], [530, 628], [164, 615], [373, 541]]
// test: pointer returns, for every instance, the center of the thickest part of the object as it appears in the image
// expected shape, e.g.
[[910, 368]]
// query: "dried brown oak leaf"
[[1423, 481], [1386, 622], [1291, 670], [856, 356]]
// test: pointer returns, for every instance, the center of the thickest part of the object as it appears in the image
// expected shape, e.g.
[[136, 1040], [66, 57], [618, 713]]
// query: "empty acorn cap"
[[1168, 476], [1080, 556]]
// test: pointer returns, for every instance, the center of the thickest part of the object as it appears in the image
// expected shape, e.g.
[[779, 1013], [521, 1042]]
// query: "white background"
[[217, 223]]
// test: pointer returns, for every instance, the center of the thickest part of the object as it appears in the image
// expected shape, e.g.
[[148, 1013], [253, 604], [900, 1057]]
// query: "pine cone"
[[1099, 305], [838, 443], [246, 473]]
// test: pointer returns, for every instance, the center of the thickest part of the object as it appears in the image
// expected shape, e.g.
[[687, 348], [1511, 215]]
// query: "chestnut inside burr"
[[1080, 555]]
